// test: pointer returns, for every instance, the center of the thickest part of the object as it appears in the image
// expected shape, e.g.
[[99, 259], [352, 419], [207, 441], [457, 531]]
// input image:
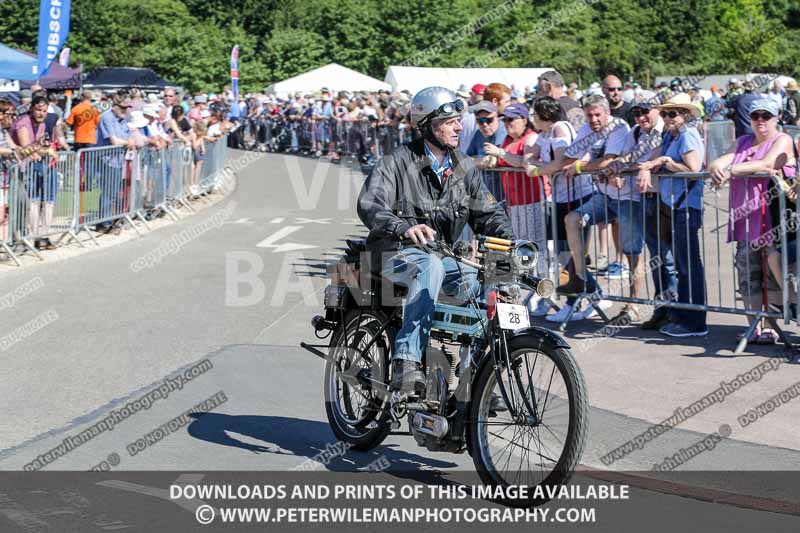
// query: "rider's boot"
[[407, 376]]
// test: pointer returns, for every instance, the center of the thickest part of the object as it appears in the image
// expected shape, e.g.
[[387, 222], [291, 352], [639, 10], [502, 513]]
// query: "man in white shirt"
[[600, 140]]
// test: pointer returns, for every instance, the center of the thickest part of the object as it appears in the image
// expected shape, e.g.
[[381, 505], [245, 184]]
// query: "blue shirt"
[[327, 109], [475, 147], [714, 107], [111, 126], [671, 188], [435, 166], [235, 111], [741, 116], [468, 129]]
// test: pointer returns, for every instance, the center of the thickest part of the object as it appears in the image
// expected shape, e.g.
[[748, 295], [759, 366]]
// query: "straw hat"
[[683, 102], [792, 86]]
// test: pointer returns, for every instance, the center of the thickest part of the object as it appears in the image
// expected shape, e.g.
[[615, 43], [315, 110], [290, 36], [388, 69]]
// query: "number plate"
[[513, 316]]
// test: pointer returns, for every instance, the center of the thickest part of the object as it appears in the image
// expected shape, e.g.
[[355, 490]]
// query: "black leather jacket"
[[403, 191]]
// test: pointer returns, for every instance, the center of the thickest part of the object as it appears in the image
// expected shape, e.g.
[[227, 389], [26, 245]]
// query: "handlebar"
[[544, 287]]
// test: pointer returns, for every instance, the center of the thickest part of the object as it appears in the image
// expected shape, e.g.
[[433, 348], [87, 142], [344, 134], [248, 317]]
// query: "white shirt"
[[562, 190], [646, 148], [368, 111]]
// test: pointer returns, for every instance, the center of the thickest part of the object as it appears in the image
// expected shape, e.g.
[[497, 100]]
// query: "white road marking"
[[302, 220], [284, 232], [277, 220]]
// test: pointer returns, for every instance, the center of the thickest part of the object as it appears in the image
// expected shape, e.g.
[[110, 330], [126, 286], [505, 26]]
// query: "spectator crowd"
[[567, 159], [599, 157], [40, 126]]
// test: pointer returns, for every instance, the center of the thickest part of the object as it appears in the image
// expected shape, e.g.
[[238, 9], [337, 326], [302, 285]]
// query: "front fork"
[[502, 362]]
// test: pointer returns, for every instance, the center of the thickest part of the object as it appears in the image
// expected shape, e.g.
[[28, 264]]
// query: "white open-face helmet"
[[435, 102]]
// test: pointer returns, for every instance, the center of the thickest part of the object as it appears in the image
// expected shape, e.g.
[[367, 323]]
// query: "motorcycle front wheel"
[[356, 397], [543, 443]]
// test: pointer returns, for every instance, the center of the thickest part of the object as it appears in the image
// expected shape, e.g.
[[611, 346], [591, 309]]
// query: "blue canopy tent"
[[15, 65]]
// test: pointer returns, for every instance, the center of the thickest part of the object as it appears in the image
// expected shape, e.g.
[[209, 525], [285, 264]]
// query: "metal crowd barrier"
[[181, 168], [107, 194], [661, 283], [40, 199], [211, 175], [719, 135], [356, 138], [794, 131], [66, 194]]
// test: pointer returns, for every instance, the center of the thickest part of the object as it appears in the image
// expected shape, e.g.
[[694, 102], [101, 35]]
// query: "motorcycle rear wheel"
[[358, 413]]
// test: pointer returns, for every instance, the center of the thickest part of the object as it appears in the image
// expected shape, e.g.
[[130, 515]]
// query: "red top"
[[518, 187]]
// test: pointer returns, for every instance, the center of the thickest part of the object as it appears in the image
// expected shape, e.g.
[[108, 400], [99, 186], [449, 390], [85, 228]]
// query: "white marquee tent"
[[415, 78], [333, 76]]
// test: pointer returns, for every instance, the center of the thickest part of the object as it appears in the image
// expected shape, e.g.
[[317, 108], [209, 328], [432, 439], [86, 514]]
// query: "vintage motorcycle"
[[508, 393]]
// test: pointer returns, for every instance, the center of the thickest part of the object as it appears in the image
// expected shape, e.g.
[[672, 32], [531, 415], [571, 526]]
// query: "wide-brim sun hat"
[[137, 120], [681, 102]]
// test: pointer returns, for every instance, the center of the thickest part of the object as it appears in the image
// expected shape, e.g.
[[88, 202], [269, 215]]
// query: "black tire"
[[368, 426], [576, 429]]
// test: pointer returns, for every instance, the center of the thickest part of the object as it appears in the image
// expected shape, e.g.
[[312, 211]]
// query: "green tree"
[[290, 52]]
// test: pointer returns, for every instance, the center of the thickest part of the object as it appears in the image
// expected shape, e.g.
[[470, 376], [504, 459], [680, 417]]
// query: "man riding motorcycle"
[[424, 191]]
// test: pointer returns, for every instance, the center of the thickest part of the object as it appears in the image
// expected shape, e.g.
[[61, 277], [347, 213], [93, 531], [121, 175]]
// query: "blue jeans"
[[425, 275], [689, 263], [604, 209], [665, 279]]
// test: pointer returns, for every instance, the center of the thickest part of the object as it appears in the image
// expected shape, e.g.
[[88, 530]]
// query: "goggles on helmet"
[[451, 107], [445, 110]]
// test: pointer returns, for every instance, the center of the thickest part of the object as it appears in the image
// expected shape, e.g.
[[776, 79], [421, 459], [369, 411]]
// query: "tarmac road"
[[241, 295]]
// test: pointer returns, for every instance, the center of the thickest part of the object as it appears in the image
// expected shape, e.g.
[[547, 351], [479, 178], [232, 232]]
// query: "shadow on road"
[[303, 438], [720, 342]]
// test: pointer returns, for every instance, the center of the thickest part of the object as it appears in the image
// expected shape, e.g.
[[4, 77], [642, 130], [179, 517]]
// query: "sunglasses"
[[755, 115], [640, 112], [486, 120], [506, 120], [613, 89], [670, 114]]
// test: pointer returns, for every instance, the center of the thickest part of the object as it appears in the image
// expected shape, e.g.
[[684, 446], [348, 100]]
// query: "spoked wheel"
[[356, 400], [543, 443]]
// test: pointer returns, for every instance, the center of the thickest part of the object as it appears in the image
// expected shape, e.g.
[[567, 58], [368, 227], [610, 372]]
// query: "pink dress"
[[749, 198]]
